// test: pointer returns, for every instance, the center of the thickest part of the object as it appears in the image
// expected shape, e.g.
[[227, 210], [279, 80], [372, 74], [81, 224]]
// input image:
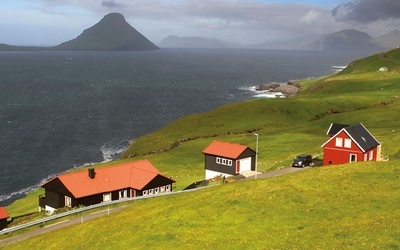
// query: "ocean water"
[[64, 110]]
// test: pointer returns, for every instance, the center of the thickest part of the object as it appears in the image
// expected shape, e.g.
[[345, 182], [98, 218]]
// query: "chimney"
[[91, 173]]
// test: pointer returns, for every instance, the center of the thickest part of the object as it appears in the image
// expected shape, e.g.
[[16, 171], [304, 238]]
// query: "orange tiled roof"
[[3, 213], [225, 149], [127, 175]]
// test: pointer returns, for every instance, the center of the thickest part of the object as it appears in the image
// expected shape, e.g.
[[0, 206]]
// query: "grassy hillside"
[[349, 206]]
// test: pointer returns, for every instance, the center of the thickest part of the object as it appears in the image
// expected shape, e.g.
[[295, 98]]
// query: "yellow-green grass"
[[286, 127], [352, 206]]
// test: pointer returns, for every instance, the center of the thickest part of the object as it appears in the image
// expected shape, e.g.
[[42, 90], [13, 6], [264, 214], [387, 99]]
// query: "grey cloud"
[[111, 4], [367, 10]]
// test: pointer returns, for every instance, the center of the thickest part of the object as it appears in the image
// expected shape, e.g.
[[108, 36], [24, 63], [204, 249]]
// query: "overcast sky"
[[50, 22]]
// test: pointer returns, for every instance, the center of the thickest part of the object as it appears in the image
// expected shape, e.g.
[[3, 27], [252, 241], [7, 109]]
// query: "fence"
[[82, 209]]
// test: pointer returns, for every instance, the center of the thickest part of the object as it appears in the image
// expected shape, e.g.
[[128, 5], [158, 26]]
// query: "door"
[[353, 158]]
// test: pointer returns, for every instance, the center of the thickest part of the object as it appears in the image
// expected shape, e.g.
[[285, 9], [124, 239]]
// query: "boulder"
[[268, 86], [294, 83], [287, 90]]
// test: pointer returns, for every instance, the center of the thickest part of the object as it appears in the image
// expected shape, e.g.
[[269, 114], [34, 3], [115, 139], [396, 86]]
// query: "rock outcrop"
[[287, 90]]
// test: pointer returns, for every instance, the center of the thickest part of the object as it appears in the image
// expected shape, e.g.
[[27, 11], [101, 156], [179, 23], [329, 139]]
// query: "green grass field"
[[352, 206]]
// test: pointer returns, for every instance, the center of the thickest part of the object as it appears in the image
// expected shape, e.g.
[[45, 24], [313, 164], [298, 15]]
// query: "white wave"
[[113, 149], [110, 151], [269, 95], [26, 190], [260, 93]]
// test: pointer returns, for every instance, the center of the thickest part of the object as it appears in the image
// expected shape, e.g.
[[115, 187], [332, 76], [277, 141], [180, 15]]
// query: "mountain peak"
[[112, 32], [114, 16]]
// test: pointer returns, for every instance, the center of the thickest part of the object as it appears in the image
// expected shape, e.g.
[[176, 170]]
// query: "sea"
[[66, 110]]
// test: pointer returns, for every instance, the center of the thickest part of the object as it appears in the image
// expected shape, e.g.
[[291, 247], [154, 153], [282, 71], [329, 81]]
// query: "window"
[[151, 191], [371, 155], [162, 189], [168, 188], [353, 158], [68, 202], [365, 157], [156, 190], [123, 194], [145, 193], [339, 142], [347, 143], [107, 197], [224, 161]]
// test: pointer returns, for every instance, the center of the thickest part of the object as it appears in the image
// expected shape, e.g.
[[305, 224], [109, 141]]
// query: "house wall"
[[55, 193], [212, 168], [3, 223], [53, 199], [249, 153], [334, 154], [159, 181], [211, 174]]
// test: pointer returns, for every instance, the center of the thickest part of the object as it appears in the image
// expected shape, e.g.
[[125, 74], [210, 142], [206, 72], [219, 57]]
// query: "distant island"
[[349, 40], [112, 33]]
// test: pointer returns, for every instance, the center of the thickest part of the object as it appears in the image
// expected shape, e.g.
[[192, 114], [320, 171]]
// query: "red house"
[[3, 218], [350, 144], [106, 184], [228, 159]]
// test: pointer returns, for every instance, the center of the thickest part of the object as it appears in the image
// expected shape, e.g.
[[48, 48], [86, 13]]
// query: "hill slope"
[[347, 40]]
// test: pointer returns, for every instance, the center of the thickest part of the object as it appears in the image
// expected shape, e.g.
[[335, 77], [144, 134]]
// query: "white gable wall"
[[245, 164]]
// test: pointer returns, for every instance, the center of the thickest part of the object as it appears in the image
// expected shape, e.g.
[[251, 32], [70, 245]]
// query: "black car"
[[302, 160]]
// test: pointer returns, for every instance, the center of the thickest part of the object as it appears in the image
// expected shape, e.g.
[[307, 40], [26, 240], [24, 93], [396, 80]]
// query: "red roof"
[[3, 213], [225, 149], [127, 175]]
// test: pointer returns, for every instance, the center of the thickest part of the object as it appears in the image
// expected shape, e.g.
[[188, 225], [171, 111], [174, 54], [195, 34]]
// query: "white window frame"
[[123, 194], [355, 157], [223, 161], [151, 191], [67, 201], [156, 190], [371, 155], [145, 193], [162, 189], [347, 143], [168, 188], [339, 142], [105, 195]]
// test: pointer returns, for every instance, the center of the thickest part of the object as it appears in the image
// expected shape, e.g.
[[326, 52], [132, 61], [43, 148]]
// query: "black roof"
[[360, 135], [335, 128]]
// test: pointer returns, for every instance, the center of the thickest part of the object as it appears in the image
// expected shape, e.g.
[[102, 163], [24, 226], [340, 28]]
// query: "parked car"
[[302, 160]]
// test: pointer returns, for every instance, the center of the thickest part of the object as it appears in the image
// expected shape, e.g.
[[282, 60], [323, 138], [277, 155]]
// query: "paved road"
[[65, 223], [82, 219]]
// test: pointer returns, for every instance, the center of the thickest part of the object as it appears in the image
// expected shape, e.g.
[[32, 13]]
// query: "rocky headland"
[[291, 88]]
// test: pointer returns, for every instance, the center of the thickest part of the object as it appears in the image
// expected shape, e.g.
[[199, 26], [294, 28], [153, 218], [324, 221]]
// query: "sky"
[[51, 22]]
